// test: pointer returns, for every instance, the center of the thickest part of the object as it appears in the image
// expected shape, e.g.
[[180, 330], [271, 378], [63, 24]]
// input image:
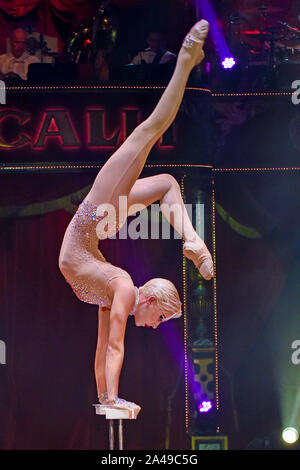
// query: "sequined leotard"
[[82, 263]]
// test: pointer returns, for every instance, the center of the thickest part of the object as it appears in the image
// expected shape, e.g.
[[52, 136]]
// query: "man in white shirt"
[[155, 53], [17, 61]]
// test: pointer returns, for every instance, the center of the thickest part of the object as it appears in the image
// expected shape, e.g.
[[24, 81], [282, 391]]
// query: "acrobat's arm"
[[122, 304], [100, 356]]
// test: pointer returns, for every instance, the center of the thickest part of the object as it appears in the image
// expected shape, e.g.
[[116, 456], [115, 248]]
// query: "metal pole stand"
[[113, 414]]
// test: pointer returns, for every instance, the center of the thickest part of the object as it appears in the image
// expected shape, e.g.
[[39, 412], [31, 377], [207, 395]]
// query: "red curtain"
[[18, 8]]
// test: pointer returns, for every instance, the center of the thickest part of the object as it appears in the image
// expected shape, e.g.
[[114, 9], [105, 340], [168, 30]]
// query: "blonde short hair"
[[166, 294]]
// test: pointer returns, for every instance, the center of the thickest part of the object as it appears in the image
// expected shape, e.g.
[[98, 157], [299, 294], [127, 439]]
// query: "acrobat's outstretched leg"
[[120, 172]]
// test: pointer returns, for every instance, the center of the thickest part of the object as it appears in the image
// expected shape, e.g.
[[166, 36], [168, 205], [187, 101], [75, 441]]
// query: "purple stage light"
[[228, 63], [204, 9], [205, 406]]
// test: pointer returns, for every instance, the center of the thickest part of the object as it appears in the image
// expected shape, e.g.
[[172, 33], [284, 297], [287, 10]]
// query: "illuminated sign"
[[57, 125], [81, 126]]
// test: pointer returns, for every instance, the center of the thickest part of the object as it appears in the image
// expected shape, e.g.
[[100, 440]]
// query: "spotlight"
[[290, 435], [228, 63], [205, 406]]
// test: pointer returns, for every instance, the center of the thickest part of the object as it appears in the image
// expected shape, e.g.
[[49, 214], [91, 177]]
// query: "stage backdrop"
[[257, 248], [47, 380], [258, 253]]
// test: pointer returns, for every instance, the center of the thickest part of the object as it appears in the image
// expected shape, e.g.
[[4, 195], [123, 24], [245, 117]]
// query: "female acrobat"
[[91, 276]]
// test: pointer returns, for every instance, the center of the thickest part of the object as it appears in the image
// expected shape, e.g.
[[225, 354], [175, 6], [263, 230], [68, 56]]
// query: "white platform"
[[112, 413]]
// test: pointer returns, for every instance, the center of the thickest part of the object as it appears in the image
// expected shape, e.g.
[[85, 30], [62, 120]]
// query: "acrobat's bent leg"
[[165, 189], [121, 171]]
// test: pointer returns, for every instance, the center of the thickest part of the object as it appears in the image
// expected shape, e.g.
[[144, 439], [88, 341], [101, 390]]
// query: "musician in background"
[[14, 65], [155, 52]]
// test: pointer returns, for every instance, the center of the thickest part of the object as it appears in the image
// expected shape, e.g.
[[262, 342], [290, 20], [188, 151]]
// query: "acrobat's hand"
[[119, 403]]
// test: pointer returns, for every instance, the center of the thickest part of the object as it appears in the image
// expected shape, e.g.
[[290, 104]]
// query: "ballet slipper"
[[196, 38], [122, 404], [199, 31], [201, 257]]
